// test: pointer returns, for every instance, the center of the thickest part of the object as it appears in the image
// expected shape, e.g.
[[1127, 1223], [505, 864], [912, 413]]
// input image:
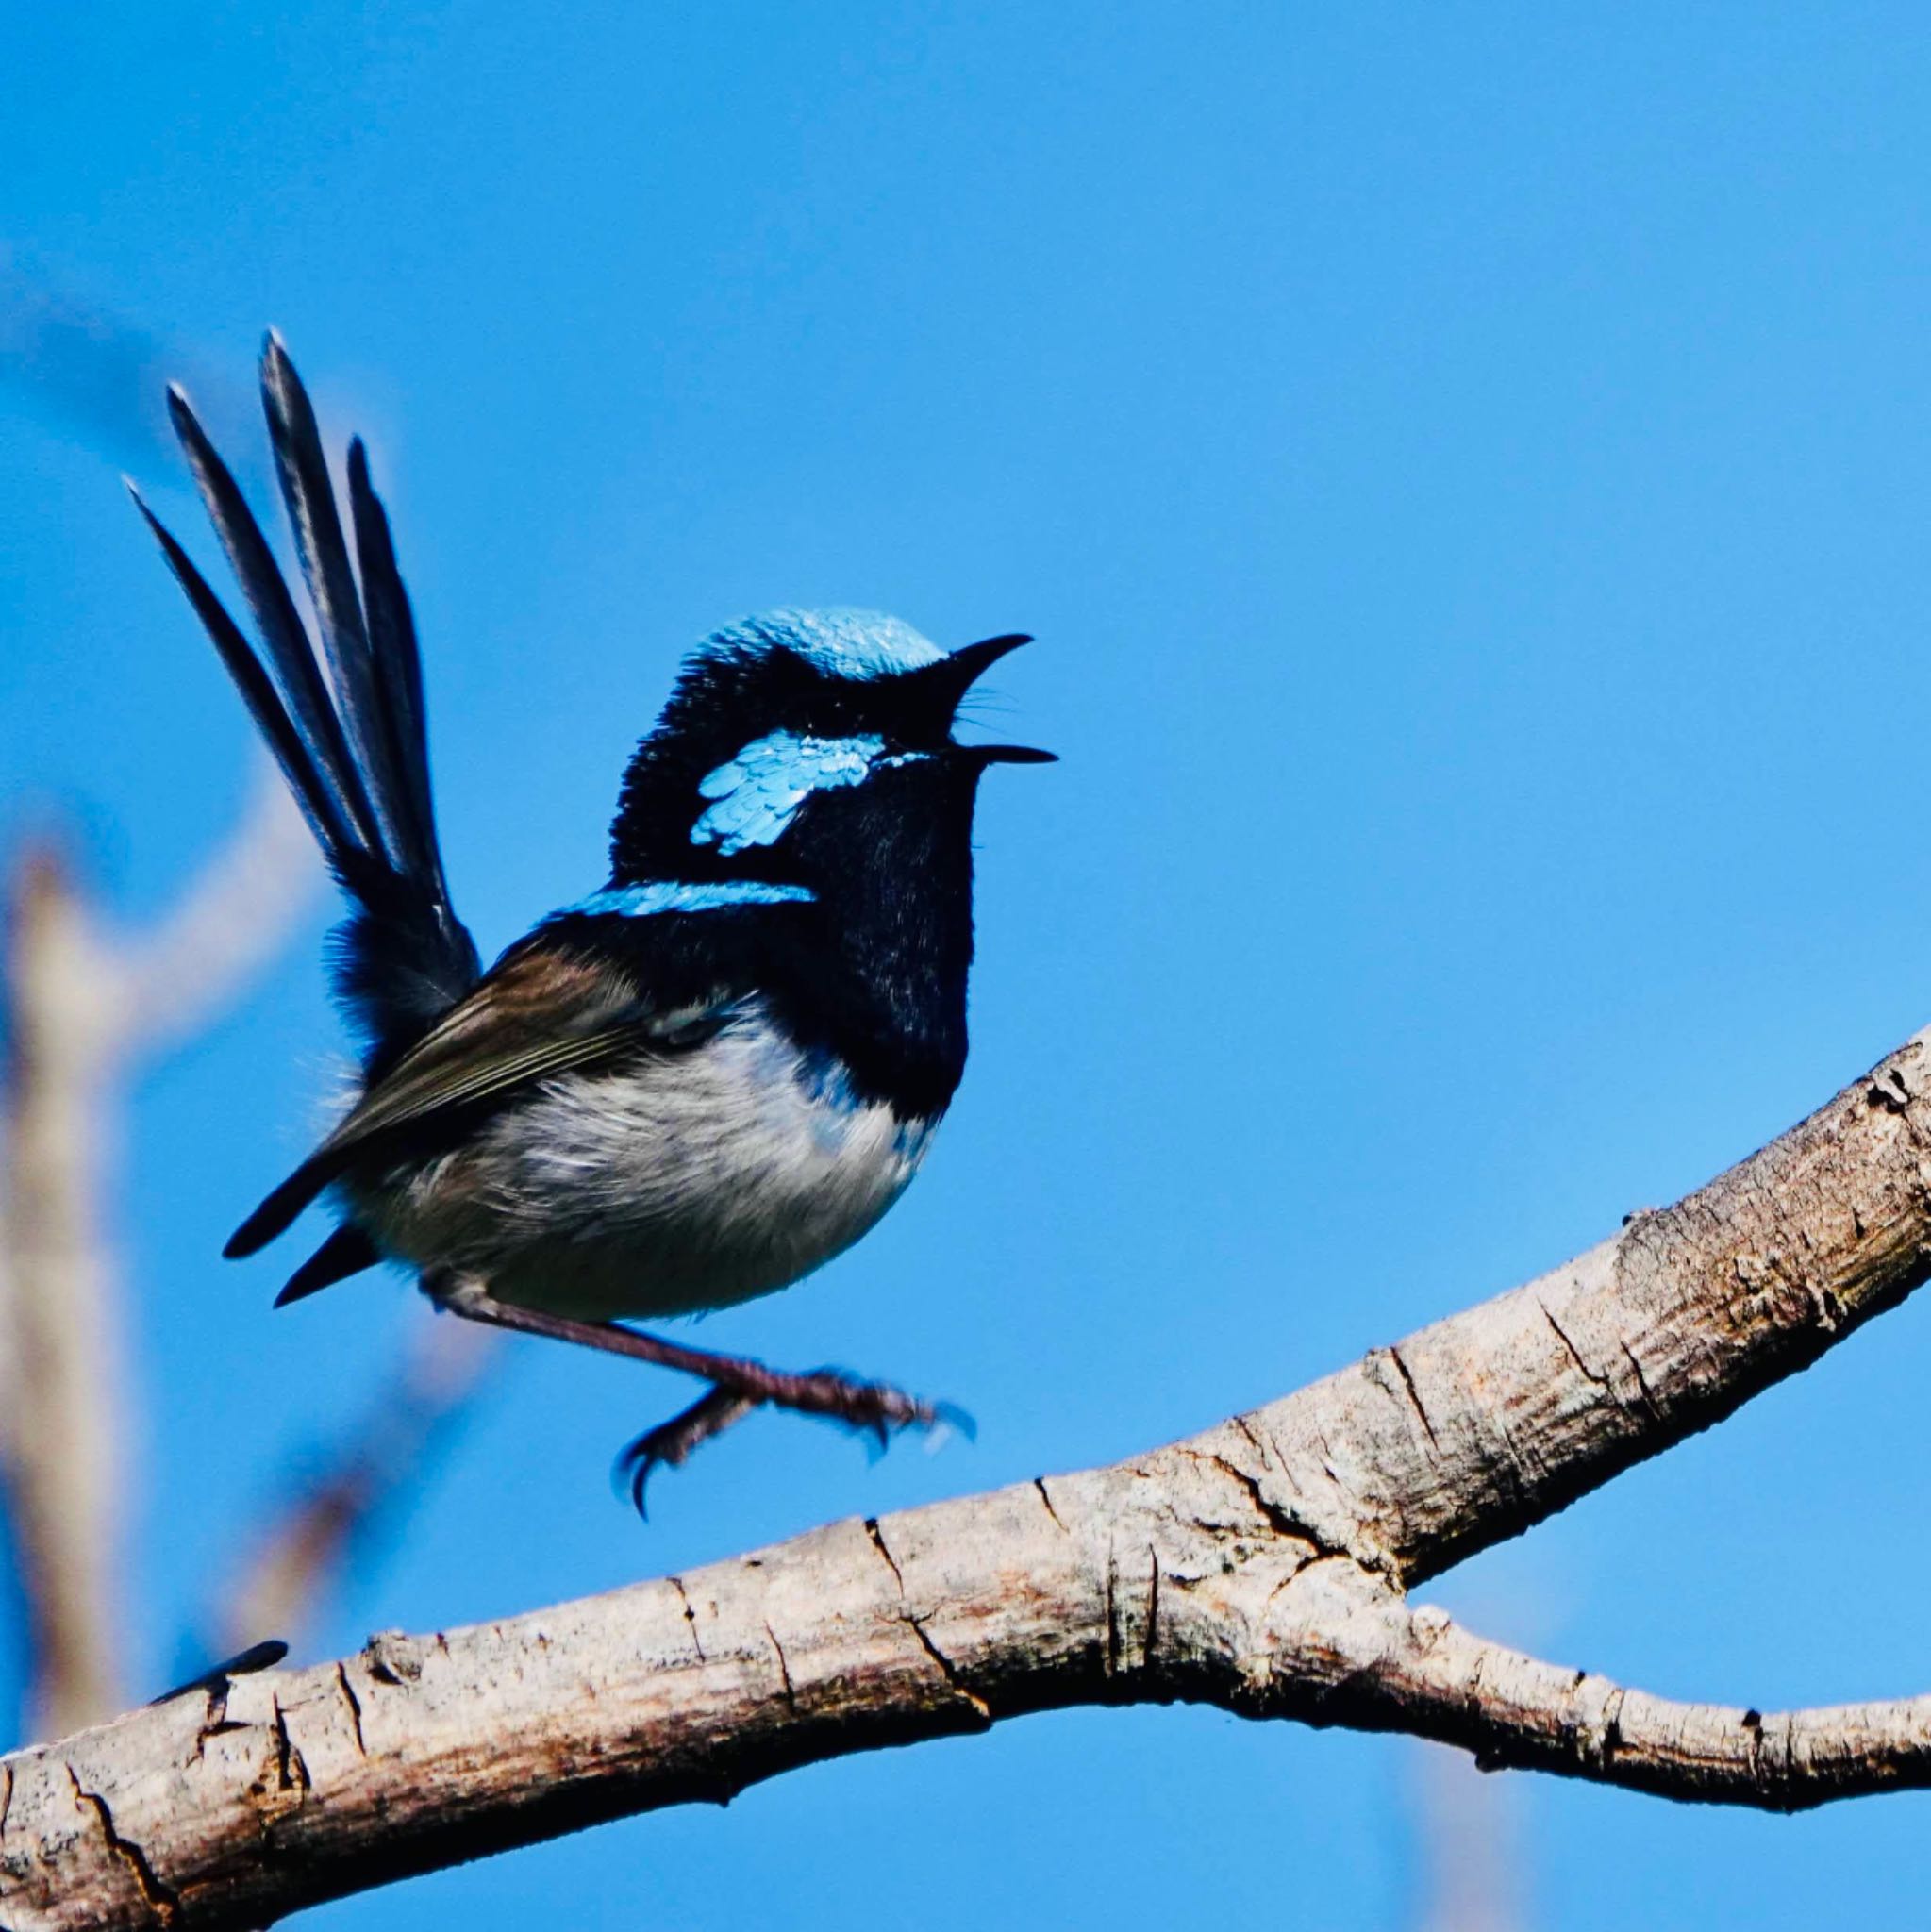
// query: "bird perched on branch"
[[696, 1084]]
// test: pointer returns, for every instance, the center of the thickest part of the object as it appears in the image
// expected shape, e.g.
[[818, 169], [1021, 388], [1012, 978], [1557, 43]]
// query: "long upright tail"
[[345, 723]]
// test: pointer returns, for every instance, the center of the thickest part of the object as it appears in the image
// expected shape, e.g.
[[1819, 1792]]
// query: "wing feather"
[[539, 1012]]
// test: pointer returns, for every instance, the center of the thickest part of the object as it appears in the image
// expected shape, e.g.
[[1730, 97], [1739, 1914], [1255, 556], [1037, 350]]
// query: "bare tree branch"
[[1471, 1430], [1259, 1567], [1393, 1668]]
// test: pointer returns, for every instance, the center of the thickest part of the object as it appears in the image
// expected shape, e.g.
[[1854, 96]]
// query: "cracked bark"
[[1263, 1566]]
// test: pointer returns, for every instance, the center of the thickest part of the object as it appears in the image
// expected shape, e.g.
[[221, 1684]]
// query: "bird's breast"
[[677, 1182]]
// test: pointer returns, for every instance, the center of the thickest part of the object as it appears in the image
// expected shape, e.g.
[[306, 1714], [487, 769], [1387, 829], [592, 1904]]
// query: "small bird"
[[693, 1085]]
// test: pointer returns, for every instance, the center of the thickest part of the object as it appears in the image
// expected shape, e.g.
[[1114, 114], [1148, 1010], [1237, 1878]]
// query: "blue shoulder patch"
[[846, 644], [670, 895]]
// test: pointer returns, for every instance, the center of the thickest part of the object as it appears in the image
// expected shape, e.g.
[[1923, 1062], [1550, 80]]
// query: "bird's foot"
[[875, 1408]]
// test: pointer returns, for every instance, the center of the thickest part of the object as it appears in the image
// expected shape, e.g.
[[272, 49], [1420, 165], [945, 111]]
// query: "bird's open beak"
[[963, 667]]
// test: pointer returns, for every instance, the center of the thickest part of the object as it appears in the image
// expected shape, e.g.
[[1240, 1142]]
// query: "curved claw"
[[631, 1471], [671, 1444]]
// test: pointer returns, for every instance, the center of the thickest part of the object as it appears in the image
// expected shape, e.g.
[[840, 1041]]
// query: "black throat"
[[881, 979], [873, 970]]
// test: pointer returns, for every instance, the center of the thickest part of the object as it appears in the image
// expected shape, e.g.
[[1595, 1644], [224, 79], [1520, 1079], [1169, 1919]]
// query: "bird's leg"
[[740, 1385]]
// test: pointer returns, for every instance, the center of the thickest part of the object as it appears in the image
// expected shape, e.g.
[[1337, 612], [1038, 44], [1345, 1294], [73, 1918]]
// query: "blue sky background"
[[1470, 469]]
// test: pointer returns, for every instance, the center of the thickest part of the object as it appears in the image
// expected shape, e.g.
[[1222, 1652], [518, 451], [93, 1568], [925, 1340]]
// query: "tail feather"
[[310, 498], [346, 1252], [278, 625], [320, 800], [346, 722], [276, 1214], [399, 662]]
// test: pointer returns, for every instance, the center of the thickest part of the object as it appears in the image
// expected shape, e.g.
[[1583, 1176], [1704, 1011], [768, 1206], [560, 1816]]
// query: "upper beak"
[[970, 662]]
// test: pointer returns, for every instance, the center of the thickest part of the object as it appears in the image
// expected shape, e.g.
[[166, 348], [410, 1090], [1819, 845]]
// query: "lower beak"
[[1011, 754]]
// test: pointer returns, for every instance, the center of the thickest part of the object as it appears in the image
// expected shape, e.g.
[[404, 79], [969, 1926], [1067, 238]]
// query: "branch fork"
[[1265, 1566]]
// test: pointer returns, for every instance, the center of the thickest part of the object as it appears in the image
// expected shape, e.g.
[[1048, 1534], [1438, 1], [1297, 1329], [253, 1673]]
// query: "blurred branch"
[[290, 1570], [1472, 1870], [60, 1335], [79, 1007], [226, 930], [1261, 1567]]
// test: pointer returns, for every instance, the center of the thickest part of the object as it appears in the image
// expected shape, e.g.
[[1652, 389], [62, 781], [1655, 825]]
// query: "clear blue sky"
[[1470, 469]]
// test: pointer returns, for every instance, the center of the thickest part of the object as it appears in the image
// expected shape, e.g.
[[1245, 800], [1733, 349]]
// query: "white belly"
[[695, 1180]]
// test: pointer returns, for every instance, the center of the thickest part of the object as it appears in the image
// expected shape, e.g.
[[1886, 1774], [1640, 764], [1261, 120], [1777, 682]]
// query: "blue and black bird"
[[693, 1085]]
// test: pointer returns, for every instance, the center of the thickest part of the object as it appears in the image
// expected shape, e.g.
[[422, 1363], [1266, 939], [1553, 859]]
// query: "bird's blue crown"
[[842, 643]]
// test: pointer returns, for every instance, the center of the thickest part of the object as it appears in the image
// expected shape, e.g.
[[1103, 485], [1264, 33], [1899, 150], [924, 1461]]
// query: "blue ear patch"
[[755, 796], [846, 644]]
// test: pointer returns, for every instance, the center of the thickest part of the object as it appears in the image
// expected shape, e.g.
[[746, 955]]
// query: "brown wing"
[[537, 1012]]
